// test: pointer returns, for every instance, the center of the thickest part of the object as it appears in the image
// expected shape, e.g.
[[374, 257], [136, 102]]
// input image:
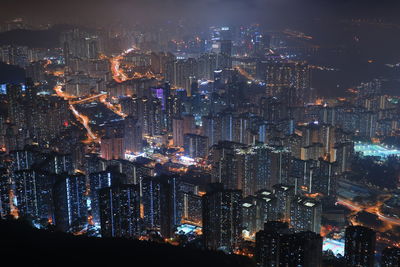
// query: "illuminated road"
[[372, 209], [297, 34], [87, 99], [245, 73], [387, 233], [61, 93], [114, 108], [85, 122], [80, 117], [119, 74], [349, 205], [84, 119]]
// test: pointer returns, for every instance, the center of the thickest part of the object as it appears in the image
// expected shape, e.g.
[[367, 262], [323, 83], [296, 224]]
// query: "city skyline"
[[255, 133]]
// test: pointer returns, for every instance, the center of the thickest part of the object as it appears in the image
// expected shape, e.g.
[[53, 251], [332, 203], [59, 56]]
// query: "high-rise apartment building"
[[222, 218]]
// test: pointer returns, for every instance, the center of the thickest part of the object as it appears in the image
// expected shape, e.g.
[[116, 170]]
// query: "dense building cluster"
[[223, 132]]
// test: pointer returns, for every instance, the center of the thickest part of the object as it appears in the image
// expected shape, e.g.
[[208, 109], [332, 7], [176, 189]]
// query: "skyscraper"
[[150, 115], [98, 181], [192, 208], [196, 146], [180, 72], [279, 160], [222, 218], [162, 203], [305, 214], [252, 164], [132, 135], [304, 249], [283, 76], [284, 195], [177, 129], [256, 210], [224, 169], [391, 257], [120, 211], [212, 129], [70, 203], [34, 194], [277, 245], [5, 187], [268, 243], [112, 146], [359, 246]]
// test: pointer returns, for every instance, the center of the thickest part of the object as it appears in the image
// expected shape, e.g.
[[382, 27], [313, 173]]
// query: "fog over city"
[[238, 133], [204, 11]]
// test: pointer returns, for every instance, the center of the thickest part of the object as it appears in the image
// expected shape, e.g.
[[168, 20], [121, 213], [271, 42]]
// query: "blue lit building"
[[222, 218], [98, 181], [34, 195], [162, 203], [70, 203], [120, 211]]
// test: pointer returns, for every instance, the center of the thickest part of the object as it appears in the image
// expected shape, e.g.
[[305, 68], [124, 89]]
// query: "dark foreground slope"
[[24, 245]]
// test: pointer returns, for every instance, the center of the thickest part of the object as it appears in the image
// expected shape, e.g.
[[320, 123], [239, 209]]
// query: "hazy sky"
[[198, 11]]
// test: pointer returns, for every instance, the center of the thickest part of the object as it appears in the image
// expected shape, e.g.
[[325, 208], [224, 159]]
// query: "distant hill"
[[34, 38], [22, 244], [11, 74]]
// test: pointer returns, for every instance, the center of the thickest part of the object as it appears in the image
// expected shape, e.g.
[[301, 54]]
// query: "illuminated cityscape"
[[374, 150], [195, 133]]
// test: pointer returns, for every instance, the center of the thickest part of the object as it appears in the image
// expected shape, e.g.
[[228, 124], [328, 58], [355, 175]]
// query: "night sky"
[[208, 11]]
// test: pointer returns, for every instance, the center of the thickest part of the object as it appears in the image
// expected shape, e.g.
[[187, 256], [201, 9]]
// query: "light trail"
[[47, 63], [349, 205], [61, 93], [119, 74], [245, 73], [371, 209], [114, 108], [87, 99], [85, 122], [80, 117], [297, 34]]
